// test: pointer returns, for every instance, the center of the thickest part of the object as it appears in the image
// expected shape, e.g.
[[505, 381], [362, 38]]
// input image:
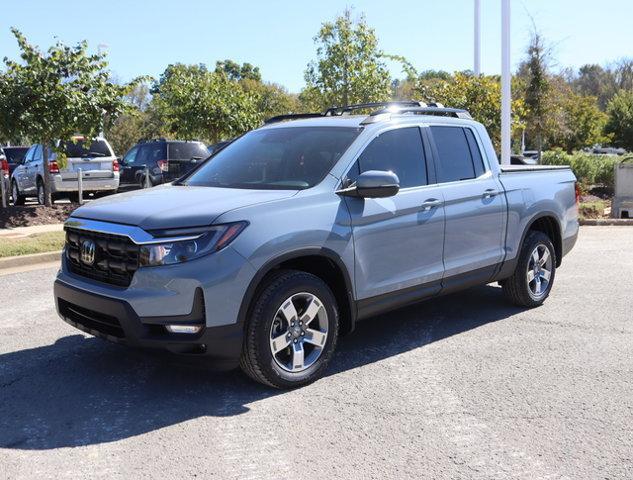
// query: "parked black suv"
[[167, 160]]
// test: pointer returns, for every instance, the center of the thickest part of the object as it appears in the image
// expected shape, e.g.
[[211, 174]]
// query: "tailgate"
[[92, 167]]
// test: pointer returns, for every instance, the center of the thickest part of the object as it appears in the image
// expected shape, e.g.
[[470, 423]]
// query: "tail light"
[[115, 165], [4, 166], [163, 165], [53, 167], [577, 194]]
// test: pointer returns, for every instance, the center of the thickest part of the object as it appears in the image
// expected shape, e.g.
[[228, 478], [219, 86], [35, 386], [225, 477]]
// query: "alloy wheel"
[[298, 332], [539, 271]]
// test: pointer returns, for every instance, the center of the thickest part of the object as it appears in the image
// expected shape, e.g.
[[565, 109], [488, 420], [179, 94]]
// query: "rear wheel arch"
[[321, 262], [547, 223]]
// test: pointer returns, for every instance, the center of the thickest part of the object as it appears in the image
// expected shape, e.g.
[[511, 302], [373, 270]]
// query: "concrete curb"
[[603, 222], [25, 260]]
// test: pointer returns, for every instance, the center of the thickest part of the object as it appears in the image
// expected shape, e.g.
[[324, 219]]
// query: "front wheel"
[[292, 330], [533, 277]]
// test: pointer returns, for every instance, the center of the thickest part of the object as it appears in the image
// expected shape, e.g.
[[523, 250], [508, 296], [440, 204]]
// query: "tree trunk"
[[47, 175], [539, 146]]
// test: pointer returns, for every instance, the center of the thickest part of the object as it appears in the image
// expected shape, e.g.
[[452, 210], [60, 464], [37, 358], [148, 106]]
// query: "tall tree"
[[51, 96], [195, 103], [537, 87], [349, 67]]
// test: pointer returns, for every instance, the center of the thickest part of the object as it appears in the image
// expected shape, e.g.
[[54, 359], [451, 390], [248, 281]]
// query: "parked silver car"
[[97, 162]]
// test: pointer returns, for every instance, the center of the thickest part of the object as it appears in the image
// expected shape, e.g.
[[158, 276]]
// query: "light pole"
[[477, 39], [506, 78]]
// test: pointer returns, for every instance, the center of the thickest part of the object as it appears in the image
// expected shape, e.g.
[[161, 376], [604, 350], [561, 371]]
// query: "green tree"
[[51, 96], [195, 103], [237, 72], [534, 71], [349, 67], [581, 123], [481, 96], [620, 122]]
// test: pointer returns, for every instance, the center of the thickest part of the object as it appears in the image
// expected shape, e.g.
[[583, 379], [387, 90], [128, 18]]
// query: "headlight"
[[195, 244]]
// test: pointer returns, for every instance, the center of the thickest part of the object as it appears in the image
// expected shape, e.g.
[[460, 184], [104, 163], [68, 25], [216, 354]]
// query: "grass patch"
[[36, 243]]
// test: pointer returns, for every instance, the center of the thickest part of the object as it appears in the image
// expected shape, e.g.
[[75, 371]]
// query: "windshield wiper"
[[93, 154]]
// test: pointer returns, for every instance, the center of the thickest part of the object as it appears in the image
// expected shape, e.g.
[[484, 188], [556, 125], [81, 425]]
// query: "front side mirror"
[[373, 184]]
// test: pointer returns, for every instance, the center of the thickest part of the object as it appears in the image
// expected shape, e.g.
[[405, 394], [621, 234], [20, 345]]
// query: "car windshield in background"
[[98, 148], [278, 158], [187, 150]]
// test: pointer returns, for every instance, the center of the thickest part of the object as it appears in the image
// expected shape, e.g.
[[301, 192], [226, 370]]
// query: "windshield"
[[98, 148], [279, 158], [15, 154]]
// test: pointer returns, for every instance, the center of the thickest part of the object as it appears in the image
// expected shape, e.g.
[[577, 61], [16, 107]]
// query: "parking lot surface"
[[464, 386]]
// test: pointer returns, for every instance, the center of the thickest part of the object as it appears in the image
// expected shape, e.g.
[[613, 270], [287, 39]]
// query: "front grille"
[[116, 257], [90, 319]]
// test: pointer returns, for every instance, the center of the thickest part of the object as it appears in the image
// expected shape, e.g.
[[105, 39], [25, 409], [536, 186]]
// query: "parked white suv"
[[97, 162]]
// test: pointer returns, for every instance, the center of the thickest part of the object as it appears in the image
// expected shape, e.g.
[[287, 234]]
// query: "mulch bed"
[[29, 215]]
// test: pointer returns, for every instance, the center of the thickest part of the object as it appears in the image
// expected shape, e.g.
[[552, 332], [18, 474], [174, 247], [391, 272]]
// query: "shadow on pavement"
[[83, 391]]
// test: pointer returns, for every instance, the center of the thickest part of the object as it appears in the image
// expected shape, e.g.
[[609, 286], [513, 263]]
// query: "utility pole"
[[506, 78], [477, 39]]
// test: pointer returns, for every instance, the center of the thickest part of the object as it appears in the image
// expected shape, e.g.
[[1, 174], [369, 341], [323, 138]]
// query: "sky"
[[143, 37]]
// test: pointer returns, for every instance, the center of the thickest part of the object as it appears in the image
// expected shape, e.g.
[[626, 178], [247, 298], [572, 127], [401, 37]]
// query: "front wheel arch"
[[314, 261]]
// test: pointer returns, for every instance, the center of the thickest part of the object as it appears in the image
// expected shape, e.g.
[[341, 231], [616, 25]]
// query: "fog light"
[[183, 328]]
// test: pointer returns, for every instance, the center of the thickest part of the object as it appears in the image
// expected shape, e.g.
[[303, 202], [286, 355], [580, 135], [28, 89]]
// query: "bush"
[[589, 169]]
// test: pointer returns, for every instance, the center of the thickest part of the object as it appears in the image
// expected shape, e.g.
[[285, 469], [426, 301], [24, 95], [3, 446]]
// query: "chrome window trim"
[[136, 234]]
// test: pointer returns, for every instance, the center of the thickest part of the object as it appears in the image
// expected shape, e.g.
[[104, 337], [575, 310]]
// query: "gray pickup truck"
[[270, 249]]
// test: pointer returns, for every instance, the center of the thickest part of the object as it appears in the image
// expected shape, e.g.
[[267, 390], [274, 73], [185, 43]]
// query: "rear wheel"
[[533, 277], [292, 331], [18, 199]]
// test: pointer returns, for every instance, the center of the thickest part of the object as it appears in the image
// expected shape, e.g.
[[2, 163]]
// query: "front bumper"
[[115, 320]]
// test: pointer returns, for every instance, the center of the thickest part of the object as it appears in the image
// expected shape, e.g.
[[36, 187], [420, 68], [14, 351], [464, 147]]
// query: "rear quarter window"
[[185, 151]]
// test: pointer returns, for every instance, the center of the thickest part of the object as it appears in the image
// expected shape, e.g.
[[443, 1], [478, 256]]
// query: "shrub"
[[589, 169]]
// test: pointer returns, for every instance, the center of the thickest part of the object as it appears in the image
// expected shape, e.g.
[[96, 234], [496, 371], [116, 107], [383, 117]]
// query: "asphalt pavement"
[[460, 387]]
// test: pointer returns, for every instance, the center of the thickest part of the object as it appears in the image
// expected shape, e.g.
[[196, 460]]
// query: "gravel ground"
[[461, 387]]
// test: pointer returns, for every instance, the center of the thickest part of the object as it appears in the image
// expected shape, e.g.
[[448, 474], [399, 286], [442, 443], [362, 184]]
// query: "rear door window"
[[399, 151], [455, 159], [187, 150], [478, 161], [79, 149]]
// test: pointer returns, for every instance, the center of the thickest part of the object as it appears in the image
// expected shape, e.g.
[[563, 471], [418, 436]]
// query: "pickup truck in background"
[[265, 254]]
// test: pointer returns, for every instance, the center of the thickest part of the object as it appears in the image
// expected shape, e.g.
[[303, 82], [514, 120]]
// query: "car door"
[[25, 177], [398, 241], [35, 168], [128, 166], [474, 206]]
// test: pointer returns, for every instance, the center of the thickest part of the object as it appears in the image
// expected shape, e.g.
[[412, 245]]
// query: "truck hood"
[[172, 206]]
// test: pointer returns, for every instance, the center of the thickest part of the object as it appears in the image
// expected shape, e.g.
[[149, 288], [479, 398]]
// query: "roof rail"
[[346, 109], [363, 106], [434, 109]]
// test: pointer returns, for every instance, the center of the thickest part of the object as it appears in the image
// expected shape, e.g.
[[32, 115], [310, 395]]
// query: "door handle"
[[491, 192], [431, 203]]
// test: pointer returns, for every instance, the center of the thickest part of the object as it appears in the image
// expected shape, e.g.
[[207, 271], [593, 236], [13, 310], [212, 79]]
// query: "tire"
[[268, 321], [519, 289], [141, 181], [18, 199], [41, 195]]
